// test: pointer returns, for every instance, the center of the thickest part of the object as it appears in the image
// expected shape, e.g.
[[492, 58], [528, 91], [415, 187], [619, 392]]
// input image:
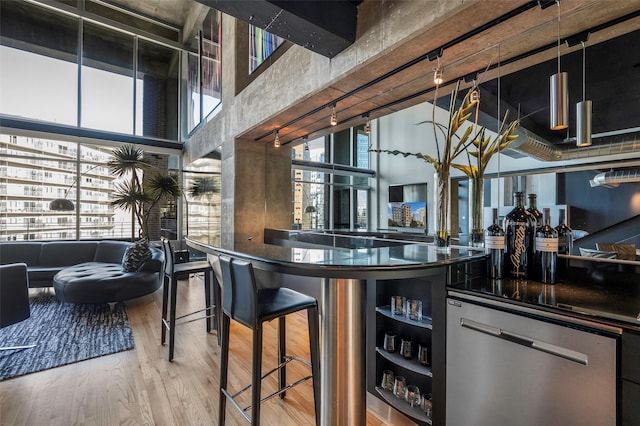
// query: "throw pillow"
[[136, 255]]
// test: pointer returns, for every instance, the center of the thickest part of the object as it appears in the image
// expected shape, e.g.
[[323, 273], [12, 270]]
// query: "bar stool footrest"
[[288, 359]]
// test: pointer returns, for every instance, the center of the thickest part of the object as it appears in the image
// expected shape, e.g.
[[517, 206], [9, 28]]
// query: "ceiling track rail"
[[431, 55], [470, 76]]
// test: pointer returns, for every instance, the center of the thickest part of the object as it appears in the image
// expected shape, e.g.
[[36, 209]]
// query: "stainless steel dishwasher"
[[511, 365]]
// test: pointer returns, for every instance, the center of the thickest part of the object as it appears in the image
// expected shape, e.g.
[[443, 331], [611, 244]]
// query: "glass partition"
[[201, 185]]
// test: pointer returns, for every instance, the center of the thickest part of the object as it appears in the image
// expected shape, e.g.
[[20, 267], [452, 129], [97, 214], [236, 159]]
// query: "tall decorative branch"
[[448, 147]]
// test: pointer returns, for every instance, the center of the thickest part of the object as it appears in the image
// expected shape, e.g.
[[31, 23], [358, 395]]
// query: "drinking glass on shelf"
[[412, 395], [423, 354], [387, 380], [399, 386], [389, 343], [406, 348], [414, 309], [398, 305], [426, 405]]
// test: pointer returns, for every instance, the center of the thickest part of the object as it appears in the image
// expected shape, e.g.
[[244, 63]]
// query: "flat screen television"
[[407, 208]]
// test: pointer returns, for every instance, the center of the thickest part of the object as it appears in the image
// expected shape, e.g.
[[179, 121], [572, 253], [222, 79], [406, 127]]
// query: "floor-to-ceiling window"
[[35, 170], [98, 78], [330, 182]]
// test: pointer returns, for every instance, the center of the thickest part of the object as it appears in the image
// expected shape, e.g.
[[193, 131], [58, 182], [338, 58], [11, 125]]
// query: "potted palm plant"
[[143, 187]]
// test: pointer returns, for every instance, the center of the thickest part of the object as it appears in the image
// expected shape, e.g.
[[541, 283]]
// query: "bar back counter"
[[356, 277]]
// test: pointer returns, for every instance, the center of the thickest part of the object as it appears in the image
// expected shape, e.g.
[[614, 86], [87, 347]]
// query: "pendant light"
[[334, 116], [583, 110], [276, 141], [559, 93]]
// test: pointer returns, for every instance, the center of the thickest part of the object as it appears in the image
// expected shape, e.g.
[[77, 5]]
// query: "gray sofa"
[[85, 271]]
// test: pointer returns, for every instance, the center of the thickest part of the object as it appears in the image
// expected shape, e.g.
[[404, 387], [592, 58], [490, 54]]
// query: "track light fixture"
[[474, 96], [583, 111], [276, 141], [334, 116], [367, 127], [559, 93], [437, 74]]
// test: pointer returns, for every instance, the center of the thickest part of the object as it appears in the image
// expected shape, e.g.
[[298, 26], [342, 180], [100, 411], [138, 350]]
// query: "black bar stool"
[[251, 307], [172, 271]]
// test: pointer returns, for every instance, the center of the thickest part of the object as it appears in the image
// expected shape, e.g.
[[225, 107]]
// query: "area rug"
[[63, 333]]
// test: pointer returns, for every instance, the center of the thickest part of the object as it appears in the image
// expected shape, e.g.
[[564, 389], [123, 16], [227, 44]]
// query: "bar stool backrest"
[[168, 257], [239, 291]]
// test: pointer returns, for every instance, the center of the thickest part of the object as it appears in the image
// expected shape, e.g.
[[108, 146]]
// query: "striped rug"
[[64, 333]]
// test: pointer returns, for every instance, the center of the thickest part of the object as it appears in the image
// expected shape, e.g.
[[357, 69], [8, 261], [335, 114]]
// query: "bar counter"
[[606, 291], [343, 273]]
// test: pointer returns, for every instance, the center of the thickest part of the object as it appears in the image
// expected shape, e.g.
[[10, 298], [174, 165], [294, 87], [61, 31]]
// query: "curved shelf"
[[386, 311], [400, 405], [409, 364]]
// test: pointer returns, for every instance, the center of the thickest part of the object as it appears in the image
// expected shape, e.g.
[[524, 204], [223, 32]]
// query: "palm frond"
[[127, 159]]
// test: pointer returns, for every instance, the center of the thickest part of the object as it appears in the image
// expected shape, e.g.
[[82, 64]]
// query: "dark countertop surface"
[[395, 261], [613, 303]]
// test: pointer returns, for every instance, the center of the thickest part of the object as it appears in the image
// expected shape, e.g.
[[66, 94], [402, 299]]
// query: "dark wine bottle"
[[565, 235], [494, 247], [533, 209], [546, 251], [519, 229]]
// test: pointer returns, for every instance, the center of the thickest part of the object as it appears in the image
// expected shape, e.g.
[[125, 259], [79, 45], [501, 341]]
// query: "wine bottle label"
[[547, 244], [518, 257], [494, 242]]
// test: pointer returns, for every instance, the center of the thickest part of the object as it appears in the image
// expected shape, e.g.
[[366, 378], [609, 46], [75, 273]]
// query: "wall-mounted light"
[[559, 93], [583, 110], [334, 116], [276, 141]]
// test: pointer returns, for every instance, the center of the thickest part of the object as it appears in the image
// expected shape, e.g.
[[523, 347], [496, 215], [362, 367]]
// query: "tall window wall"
[[331, 182], [202, 74], [63, 69], [34, 171]]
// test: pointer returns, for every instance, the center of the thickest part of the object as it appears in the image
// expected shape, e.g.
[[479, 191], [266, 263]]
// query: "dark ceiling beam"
[[324, 27]]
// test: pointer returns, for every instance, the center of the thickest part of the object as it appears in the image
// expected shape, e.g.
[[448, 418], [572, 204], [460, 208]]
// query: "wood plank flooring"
[[140, 387]]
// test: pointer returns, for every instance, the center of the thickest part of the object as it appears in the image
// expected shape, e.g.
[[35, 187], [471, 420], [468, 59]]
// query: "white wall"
[[400, 131]]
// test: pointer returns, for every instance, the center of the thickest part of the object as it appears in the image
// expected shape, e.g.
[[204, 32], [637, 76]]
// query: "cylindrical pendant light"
[[559, 106], [583, 123], [583, 111], [559, 93]]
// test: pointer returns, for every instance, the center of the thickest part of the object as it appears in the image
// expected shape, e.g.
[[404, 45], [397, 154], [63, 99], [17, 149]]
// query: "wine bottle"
[[565, 235], [533, 209], [546, 251], [494, 247], [519, 228]]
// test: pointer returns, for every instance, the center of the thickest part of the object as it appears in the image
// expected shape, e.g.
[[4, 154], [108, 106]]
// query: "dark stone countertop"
[[608, 298], [382, 262]]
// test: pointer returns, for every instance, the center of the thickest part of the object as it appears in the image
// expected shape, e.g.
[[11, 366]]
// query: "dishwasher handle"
[[529, 342]]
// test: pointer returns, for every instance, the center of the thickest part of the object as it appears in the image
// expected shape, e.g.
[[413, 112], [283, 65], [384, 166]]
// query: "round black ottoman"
[[98, 283]]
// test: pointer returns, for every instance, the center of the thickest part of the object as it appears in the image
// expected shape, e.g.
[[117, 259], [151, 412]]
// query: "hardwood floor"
[[140, 387]]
